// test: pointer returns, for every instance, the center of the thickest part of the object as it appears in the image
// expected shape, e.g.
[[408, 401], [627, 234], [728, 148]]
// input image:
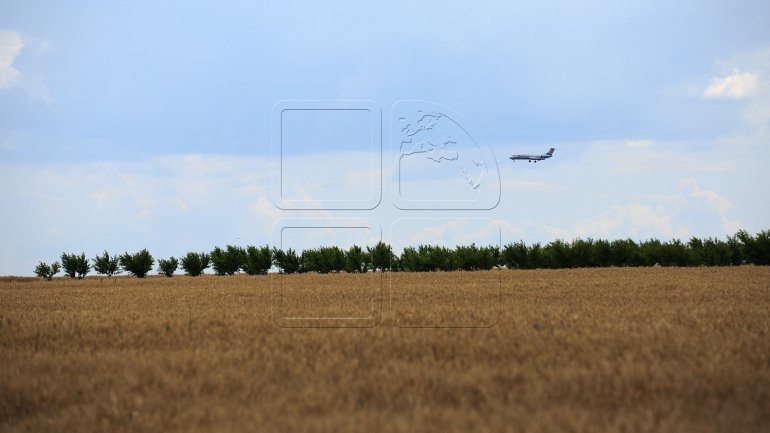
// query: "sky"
[[181, 126]]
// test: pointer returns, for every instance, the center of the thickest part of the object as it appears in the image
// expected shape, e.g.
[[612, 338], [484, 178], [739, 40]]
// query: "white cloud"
[[736, 86], [10, 47], [444, 231], [636, 220], [264, 208], [712, 197], [692, 211], [348, 177], [30, 81], [166, 204]]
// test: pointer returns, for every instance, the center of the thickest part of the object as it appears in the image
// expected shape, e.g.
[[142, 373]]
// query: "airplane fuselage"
[[532, 158]]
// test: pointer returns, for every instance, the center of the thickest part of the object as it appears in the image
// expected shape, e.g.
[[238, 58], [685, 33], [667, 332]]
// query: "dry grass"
[[570, 350]]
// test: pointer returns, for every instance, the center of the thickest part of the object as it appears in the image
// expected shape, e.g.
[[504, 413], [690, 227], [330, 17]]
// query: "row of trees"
[[77, 266], [742, 248], [735, 250]]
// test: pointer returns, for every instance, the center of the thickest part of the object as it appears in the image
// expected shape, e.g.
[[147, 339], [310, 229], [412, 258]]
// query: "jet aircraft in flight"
[[533, 158]]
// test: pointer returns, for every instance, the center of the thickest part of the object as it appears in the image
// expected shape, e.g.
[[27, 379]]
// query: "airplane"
[[533, 158]]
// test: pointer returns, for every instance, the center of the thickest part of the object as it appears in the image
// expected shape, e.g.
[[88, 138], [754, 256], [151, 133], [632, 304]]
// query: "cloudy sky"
[[131, 125]]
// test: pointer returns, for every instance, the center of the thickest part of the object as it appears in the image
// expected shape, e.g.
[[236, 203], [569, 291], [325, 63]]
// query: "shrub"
[[106, 265], [138, 264], [195, 263], [75, 266], [43, 270], [258, 260], [167, 267], [229, 261]]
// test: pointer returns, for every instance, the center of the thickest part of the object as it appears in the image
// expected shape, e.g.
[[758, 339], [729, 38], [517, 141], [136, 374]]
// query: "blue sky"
[[131, 125]]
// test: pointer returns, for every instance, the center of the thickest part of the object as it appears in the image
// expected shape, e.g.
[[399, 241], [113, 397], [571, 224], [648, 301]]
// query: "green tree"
[[488, 257], [675, 253], [602, 253], [763, 247], [309, 261], [356, 260], [535, 256], [167, 267], [75, 266], [440, 258], [332, 259], [467, 257], [737, 250], [426, 263], [410, 260], [43, 270], [557, 254], [514, 256], [625, 252], [288, 262], [382, 256], [650, 252], [258, 260], [395, 263], [756, 249], [322, 260], [582, 253], [106, 264], [228, 261], [139, 263], [715, 252], [194, 264]]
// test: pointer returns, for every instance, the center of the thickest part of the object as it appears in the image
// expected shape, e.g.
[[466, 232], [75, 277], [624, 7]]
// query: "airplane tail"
[[550, 151]]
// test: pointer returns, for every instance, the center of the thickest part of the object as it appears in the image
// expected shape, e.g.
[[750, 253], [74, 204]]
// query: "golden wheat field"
[[605, 350]]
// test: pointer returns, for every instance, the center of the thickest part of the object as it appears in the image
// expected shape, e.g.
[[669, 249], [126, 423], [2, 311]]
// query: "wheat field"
[[605, 350]]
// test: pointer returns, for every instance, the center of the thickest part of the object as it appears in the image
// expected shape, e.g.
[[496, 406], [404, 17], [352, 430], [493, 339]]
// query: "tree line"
[[741, 248]]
